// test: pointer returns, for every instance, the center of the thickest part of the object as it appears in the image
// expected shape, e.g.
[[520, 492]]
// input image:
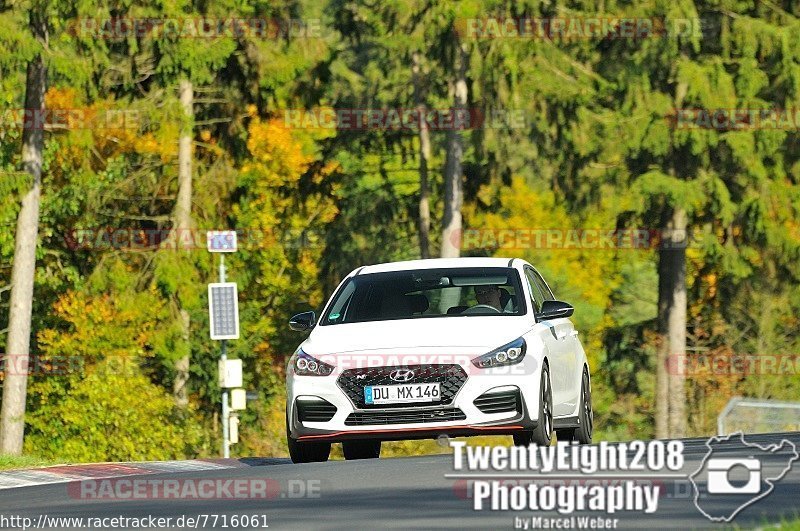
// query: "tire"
[[543, 433], [315, 452], [367, 449], [583, 433]]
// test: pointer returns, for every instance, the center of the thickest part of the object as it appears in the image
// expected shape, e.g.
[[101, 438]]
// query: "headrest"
[[419, 303]]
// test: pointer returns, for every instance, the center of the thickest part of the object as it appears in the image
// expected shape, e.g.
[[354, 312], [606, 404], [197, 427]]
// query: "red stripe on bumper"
[[441, 429]]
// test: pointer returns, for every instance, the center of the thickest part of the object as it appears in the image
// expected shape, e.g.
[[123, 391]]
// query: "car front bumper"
[[469, 410]]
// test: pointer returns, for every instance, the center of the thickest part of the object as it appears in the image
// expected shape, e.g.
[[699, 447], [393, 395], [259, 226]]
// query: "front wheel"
[[301, 452], [583, 433], [543, 433]]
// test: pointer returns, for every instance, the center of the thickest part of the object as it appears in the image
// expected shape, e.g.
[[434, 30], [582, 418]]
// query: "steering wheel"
[[480, 308]]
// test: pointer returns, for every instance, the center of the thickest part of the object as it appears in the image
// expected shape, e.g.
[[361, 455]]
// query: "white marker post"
[[223, 308]]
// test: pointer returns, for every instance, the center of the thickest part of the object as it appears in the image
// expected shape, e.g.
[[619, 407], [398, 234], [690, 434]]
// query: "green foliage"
[[11, 462], [114, 413]]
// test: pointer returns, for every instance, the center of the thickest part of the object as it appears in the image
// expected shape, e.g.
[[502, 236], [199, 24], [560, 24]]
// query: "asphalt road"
[[410, 492]]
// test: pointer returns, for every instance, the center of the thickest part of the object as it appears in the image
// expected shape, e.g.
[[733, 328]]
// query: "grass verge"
[[10, 462]]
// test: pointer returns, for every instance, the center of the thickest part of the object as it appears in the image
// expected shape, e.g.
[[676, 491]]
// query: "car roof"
[[435, 263]]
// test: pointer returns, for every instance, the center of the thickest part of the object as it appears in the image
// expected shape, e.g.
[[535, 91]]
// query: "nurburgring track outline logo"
[[718, 481]]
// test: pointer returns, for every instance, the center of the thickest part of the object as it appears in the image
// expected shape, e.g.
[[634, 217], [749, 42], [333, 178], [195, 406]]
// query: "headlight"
[[509, 354], [305, 365]]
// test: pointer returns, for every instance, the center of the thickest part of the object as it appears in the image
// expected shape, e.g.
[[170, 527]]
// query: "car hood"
[[462, 334]]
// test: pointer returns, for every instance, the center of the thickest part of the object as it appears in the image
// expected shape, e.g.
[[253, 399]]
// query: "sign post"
[[223, 308]]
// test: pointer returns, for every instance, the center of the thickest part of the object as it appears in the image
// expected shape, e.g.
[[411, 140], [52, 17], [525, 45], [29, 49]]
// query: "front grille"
[[498, 402], [315, 410], [352, 382], [405, 417]]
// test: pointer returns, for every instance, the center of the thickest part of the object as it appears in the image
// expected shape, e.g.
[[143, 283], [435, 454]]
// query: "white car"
[[424, 348]]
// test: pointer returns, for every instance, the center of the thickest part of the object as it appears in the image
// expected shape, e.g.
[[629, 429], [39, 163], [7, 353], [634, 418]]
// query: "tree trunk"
[[662, 354], [672, 281], [424, 160], [182, 225], [676, 321], [12, 416], [453, 173]]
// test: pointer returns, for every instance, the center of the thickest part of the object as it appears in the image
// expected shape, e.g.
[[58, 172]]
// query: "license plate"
[[397, 394]]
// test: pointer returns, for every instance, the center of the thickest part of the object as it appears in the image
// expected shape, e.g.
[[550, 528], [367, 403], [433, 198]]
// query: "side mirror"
[[555, 310], [302, 321]]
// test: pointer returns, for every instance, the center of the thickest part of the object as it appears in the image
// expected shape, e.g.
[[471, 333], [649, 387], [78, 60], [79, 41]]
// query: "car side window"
[[536, 294], [548, 295]]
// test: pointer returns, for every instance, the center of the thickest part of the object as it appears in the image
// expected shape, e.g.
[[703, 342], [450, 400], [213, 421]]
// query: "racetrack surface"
[[410, 492]]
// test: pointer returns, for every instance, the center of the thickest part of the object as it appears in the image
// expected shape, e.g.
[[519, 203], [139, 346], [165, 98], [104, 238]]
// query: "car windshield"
[[416, 294]]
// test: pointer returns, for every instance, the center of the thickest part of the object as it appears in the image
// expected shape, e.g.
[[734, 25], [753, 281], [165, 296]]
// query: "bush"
[[112, 415]]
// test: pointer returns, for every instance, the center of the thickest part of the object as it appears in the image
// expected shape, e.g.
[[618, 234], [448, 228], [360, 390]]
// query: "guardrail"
[[753, 415]]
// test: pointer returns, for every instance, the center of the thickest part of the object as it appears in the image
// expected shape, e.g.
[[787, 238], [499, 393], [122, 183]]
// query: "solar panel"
[[223, 308]]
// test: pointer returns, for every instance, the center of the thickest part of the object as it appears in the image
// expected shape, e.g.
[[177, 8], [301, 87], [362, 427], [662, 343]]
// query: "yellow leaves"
[[167, 137], [707, 371], [706, 290], [287, 258], [794, 229], [276, 154], [278, 162], [327, 212], [66, 304], [60, 98], [147, 144], [583, 275], [711, 281], [327, 170], [534, 213], [84, 312], [106, 127], [101, 326], [694, 254]]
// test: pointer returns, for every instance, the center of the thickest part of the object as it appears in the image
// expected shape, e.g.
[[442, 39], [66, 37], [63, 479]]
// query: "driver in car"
[[489, 296]]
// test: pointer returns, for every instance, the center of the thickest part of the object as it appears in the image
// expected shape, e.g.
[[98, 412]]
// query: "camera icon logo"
[[736, 473], [720, 483]]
